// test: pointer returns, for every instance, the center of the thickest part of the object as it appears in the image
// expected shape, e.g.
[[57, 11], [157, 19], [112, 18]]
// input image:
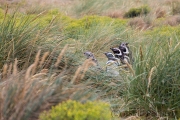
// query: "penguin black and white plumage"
[[124, 48], [112, 64], [90, 55], [126, 51], [119, 54], [111, 58]]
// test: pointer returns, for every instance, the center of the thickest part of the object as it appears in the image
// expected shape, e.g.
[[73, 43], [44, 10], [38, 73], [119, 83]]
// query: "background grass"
[[42, 62]]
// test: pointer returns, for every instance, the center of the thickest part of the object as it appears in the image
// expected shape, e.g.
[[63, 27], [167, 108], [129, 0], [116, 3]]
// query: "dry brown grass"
[[115, 14], [26, 93], [173, 20], [138, 23], [61, 55], [38, 2], [174, 5], [177, 46], [36, 61], [160, 12], [44, 57], [133, 118], [150, 77], [34, 6], [15, 69], [10, 69], [80, 72], [4, 72]]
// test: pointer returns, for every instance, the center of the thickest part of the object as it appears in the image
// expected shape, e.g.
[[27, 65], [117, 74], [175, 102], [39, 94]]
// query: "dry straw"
[[176, 46], [36, 62], [130, 68], [28, 72], [44, 71], [150, 79], [170, 43], [76, 74], [150, 76], [61, 55], [45, 55], [38, 75], [80, 72], [38, 15], [15, 69], [132, 118], [9, 69], [4, 73], [86, 67]]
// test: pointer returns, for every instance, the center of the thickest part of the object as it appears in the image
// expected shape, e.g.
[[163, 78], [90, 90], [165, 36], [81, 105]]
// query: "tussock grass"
[[153, 88], [43, 64], [21, 35], [26, 93]]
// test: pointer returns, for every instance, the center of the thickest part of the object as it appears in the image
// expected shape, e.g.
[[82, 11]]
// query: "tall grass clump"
[[26, 93], [20, 36], [154, 89]]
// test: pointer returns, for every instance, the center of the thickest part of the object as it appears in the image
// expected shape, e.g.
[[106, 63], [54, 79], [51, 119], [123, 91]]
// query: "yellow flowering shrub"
[[62, 18], [178, 114], [164, 31], [73, 110], [52, 15], [40, 20], [2, 15], [159, 22], [83, 25]]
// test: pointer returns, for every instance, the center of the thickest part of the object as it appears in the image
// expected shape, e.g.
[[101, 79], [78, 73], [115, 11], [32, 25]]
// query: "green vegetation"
[[153, 88], [87, 24], [20, 35], [134, 12], [42, 62], [72, 110], [1, 14], [35, 87], [164, 31]]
